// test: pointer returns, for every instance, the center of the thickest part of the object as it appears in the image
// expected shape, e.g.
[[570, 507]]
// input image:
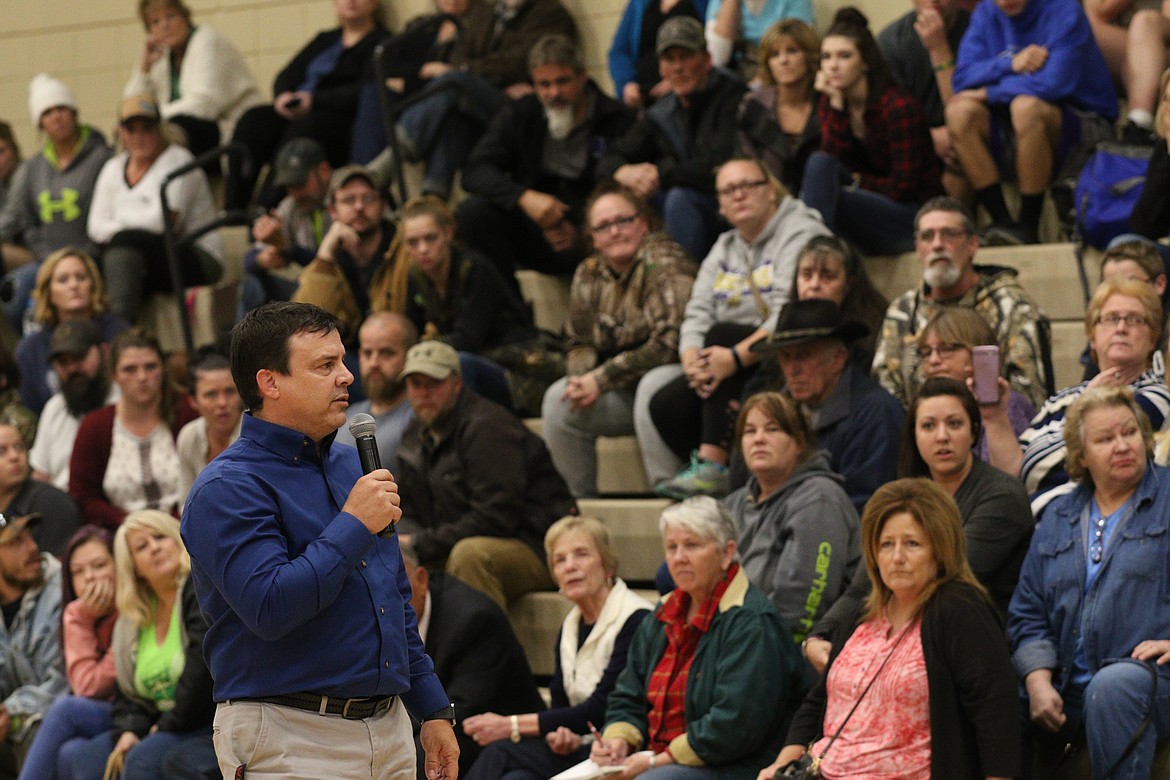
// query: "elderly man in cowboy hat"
[[856, 420]]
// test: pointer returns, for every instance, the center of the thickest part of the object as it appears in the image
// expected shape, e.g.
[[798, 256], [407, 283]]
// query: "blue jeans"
[[21, 282], [878, 225], [193, 759], [691, 218], [69, 724], [444, 126], [1116, 700], [145, 760], [486, 378], [1111, 706]]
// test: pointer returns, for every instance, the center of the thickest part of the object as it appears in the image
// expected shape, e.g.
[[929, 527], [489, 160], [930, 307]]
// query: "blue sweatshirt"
[[1075, 72]]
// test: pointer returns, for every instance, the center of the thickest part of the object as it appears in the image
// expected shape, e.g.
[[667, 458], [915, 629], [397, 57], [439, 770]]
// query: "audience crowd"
[[867, 491]]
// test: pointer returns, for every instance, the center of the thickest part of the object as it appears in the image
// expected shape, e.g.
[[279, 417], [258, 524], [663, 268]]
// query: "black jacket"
[[194, 706], [974, 709], [1151, 214], [487, 475], [686, 144], [502, 59], [337, 91], [507, 159], [477, 657]]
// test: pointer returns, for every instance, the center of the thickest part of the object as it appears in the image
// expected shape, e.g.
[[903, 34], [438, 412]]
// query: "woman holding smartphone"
[[946, 348]]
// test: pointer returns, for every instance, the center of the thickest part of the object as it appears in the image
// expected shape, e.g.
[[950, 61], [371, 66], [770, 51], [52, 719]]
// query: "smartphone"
[[986, 374]]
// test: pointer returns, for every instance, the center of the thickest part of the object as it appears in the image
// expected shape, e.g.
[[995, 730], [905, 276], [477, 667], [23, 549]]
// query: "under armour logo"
[[66, 205]]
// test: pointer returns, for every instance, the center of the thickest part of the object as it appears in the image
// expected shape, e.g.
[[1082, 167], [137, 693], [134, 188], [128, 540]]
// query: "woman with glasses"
[[876, 164], [945, 349], [625, 307], [743, 283], [1124, 325]]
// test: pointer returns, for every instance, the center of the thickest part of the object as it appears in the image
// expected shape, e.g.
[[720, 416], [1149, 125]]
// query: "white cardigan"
[[581, 669], [214, 81], [117, 206]]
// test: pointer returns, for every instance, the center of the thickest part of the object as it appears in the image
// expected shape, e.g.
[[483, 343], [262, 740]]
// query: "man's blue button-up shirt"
[[299, 596]]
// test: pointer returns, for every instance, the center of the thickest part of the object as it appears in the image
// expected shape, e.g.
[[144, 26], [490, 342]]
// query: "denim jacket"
[[32, 672], [1128, 603]]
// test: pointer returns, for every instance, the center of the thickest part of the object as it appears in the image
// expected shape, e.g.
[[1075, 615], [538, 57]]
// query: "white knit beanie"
[[45, 92]]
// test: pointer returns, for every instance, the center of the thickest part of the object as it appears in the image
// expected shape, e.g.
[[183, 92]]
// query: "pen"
[[598, 745]]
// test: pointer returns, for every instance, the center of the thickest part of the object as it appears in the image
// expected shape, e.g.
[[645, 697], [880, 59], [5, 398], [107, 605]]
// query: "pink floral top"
[[888, 737]]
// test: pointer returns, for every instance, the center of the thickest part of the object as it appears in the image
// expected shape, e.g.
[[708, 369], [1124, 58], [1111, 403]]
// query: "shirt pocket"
[[1141, 554], [1058, 559]]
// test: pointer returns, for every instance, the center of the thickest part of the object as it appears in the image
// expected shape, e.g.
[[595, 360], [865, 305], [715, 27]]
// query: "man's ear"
[[266, 383]]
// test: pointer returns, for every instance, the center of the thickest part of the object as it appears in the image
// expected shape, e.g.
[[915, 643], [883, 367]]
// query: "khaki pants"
[[273, 741], [503, 569]]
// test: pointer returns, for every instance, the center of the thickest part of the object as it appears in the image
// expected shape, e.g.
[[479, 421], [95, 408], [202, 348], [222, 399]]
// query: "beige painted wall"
[[93, 44]]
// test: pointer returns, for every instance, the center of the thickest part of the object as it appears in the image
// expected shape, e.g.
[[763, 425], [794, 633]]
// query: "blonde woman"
[[163, 698], [68, 287]]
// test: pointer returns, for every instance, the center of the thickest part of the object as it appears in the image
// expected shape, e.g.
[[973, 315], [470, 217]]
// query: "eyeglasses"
[[948, 235], [1131, 320], [621, 223], [739, 188], [944, 350], [365, 199]]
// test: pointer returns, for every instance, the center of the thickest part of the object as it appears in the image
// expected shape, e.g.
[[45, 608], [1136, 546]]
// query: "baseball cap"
[[74, 337], [682, 31], [344, 175], [142, 106], [296, 160], [12, 527], [432, 358]]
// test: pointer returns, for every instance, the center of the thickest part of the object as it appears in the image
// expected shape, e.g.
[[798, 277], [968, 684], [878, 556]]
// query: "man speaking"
[[312, 641]]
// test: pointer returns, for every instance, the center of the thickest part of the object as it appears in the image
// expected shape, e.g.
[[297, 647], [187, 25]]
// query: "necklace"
[[1097, 532]]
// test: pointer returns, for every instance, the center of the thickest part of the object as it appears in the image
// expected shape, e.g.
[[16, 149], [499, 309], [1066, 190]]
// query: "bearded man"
[[945, 241], [77, 353], [384, 339], [530, 174]]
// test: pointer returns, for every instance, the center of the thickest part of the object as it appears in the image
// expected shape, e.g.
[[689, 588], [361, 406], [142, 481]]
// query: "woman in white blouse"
[[126, 215]]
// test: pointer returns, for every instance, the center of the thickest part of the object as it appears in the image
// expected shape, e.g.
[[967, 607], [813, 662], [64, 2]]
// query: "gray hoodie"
[[801, 544], [722, 292], [46, 207]]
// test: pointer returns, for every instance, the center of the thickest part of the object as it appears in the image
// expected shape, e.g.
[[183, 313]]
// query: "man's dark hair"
[[260, 340]]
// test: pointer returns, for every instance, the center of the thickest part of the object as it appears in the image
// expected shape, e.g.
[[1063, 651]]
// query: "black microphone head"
[[361, 425]]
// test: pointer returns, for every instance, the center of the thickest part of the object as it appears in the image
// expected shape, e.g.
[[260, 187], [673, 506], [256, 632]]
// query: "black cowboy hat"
[[802, 321]]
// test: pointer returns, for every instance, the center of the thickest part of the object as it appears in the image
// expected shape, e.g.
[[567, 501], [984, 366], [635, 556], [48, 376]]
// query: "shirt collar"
[[284, 442]]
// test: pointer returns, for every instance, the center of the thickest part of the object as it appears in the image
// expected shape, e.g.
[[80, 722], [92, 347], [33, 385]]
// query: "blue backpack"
[[1108, 188]]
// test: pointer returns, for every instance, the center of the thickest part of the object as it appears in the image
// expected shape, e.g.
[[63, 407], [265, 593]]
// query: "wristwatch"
[[515, 736], [446, 713]]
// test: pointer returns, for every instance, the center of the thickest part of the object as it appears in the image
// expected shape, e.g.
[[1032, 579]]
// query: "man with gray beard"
[[945, 241], [529, 176], [77, 353], [383, 340]]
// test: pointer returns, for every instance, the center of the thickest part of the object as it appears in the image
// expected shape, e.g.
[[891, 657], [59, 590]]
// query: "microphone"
[[362, 428]]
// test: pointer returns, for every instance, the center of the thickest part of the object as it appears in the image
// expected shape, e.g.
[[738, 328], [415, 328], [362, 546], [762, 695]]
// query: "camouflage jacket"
[[626, 324], [1017, 322]]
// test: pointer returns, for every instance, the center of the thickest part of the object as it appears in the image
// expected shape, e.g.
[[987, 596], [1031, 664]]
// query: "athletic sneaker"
[[701, 478]]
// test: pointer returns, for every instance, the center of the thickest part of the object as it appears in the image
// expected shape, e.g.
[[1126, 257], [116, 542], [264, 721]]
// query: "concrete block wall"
[[94, 44]]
